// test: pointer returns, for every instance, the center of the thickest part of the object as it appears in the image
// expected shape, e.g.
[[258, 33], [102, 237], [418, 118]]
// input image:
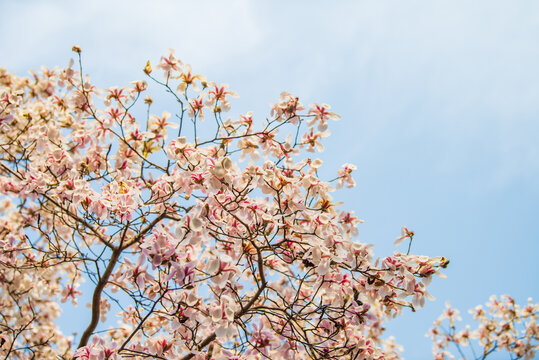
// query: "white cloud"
[[117, 32]]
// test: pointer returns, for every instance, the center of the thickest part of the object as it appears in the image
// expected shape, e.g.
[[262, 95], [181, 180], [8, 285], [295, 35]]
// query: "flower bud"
[[147, 68]]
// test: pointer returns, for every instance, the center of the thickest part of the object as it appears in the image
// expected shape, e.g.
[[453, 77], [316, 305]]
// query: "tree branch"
[[243, 311], [96, 299]]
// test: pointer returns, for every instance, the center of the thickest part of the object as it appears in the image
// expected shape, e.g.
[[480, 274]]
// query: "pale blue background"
[[439, 99]]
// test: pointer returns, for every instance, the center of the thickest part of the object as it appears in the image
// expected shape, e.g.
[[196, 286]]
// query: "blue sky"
[[439, 101]]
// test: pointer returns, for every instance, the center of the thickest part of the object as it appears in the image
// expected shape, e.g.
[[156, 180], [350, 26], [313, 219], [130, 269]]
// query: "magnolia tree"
[[503, 325], [199, 254]]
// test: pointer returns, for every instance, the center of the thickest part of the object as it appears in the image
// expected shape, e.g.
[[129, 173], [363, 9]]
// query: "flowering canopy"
[[201, 256]]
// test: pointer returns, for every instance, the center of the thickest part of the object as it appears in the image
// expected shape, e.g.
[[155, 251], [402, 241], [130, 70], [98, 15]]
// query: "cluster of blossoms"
[[503, 326], [210, 259]]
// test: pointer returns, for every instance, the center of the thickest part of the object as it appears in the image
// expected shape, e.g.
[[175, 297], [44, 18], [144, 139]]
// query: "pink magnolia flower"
[[169, 63], [320, 114], [405, 234]]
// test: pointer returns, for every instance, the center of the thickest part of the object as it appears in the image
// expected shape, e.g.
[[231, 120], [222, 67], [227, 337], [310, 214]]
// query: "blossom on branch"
[[502, 326], [198, 255]]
